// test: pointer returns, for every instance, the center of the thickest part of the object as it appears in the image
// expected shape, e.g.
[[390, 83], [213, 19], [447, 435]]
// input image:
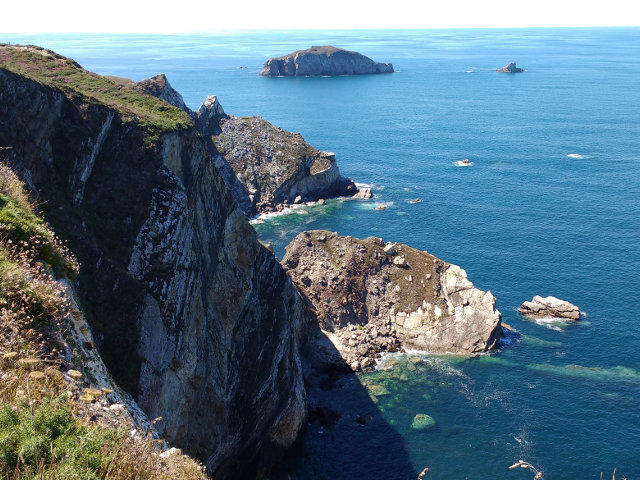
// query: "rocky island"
[[540, 307], [370, 296], [325, 60], [510, 68]]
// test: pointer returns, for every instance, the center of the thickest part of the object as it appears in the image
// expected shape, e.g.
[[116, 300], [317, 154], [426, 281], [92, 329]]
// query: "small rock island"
[[550, 307], [511, 68], [325, 60]]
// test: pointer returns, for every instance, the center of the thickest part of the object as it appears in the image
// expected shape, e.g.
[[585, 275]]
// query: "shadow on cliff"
[[346, 436]]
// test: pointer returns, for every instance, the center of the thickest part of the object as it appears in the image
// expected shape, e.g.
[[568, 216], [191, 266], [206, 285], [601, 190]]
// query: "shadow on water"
[[346, 436]]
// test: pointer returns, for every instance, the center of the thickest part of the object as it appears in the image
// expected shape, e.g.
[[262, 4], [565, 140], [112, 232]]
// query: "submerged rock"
[[422, 421], [510, 68], [550, 307], [325, 60], [373, 297]]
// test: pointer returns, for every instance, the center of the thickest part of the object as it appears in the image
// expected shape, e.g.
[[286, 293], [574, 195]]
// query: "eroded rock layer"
[[372, 297]]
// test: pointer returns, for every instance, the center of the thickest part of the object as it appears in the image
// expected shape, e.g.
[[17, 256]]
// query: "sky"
[[199, 16]]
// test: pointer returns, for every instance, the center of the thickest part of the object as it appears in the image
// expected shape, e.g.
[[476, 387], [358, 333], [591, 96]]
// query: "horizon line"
[[315, 29]]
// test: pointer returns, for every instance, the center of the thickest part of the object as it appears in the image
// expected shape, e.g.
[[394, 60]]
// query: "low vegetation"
[[44, 66], [48, 424]]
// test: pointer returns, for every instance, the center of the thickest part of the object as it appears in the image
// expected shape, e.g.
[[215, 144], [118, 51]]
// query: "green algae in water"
[[539, 342], [613, 374], [378, 390], [495, 360], [422, 421]]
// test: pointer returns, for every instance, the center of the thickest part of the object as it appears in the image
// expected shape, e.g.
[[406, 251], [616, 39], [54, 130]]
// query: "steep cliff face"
[[191, 314], [371, 297], [325, 60], [277, 167]]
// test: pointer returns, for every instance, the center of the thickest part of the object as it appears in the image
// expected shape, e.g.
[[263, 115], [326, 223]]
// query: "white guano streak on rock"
[[86, 165]]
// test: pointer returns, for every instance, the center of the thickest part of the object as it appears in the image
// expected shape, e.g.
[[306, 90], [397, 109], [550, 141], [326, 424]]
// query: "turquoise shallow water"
[[525, 219]]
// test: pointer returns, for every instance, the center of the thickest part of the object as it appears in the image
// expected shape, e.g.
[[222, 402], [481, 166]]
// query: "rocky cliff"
[[277, 167], [372, 297], [191, 314], [325, 60]]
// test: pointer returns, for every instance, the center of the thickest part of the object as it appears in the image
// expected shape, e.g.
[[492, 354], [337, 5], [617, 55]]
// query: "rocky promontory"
[[372, 297], [190, 313], [325, 60], [510, 68], [540, 307], [276, 167]]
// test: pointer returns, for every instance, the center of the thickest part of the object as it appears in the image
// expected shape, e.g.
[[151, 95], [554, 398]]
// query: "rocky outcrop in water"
[[276, 167], [190, 313], [510, 68], [372, 297], [540, 307], [325, 60]]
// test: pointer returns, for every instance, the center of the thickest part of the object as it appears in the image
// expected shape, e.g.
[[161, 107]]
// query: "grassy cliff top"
[[49, 68]]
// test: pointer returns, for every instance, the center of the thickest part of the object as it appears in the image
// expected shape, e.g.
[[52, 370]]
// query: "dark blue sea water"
[[525, 219]]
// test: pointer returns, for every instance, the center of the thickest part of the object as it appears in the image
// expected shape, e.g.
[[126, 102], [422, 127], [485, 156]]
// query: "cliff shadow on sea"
[[346, 436]]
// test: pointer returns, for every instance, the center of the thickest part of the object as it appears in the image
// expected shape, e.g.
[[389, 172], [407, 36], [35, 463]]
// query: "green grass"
[[27, 231], [52, 442], [152, 114]]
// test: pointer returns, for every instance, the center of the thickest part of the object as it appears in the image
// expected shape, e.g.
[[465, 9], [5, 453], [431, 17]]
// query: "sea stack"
[[540, 307], [511, 68], [372, 296], [325, 60]]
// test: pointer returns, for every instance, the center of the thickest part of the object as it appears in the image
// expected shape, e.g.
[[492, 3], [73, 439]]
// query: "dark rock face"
[[277, 167], [190, 313], [326, 60], [371, 297], [511, 68]]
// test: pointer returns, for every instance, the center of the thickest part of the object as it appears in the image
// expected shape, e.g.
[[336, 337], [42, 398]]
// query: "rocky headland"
[[540, 307], [371, 297], [510, 68], [265, 167], [276, 167], [176, 312], [192, 315], [324, 60]]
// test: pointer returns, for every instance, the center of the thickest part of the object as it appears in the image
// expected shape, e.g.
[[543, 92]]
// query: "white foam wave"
[[577, 156]]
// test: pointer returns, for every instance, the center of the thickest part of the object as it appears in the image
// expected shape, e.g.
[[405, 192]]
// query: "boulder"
[[550, 307]]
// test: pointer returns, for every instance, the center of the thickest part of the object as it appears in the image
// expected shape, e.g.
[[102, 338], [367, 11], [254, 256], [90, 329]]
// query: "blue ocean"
[[550, 206]]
